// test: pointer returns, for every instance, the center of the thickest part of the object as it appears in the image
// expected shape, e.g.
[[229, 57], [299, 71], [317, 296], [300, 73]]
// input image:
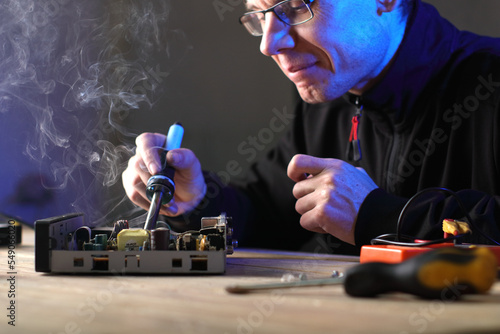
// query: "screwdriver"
[[434, 274], [440, 273], [160, 188]]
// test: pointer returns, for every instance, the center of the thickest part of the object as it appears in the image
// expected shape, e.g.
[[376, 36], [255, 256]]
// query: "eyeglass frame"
[[271, 9]]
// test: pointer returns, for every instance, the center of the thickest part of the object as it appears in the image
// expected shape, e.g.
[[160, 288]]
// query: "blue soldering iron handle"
[[164, 180], [174, 140], [174, 136]]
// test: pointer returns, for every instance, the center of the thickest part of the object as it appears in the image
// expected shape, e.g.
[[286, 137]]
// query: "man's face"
[[343, 48]]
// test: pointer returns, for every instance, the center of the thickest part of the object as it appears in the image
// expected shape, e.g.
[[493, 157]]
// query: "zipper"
[[353, 151], [393, 178]]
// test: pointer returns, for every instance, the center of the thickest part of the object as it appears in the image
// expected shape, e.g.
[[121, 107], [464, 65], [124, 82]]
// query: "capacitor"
[[100, 242], [132, 239], [160, 238], [101, 239]]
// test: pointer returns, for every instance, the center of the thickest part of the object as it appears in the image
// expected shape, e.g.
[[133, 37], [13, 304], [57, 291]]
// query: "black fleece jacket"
[[432, 121]]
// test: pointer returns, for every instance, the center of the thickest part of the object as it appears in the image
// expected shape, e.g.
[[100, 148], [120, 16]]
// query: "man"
[[396, 100]]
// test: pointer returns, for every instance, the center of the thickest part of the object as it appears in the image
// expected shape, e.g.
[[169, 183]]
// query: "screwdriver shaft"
[[283, 285]]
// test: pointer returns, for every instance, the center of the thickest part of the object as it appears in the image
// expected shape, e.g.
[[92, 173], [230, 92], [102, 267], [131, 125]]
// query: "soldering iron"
[[160, 188]]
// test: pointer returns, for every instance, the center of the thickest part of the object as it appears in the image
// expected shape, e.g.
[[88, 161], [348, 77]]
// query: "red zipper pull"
[[354, 128], [354, 147]]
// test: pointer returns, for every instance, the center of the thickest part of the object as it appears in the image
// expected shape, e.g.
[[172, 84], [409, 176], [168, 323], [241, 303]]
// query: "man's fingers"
[[301, 166], [140, 200], [304, 204], [148, 145], [136, 171], [135, 189], [310, 224], [171, 209], [304, 187], [183, 159]]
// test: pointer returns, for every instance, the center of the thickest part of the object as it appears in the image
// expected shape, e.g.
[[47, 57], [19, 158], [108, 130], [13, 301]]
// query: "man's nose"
[[276, 36]]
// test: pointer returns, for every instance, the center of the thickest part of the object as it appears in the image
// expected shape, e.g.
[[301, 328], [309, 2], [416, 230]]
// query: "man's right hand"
[[190, 186]]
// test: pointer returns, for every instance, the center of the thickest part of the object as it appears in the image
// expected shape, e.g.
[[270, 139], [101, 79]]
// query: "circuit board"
[[64, 244]]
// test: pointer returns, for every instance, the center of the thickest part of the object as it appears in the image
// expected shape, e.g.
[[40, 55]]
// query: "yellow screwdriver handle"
[[444, 273]]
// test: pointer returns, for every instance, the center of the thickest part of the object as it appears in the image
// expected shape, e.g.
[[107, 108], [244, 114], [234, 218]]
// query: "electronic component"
[[388, 251], [65, 245], [396, 254], [160, 239], [132, 239], [396, 247], [452, 227]]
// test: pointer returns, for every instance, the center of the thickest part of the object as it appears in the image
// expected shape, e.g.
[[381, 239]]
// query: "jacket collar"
[[425, 49], [430, 43]]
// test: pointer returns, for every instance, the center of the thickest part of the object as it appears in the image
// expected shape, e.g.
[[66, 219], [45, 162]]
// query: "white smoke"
[[79, 68]]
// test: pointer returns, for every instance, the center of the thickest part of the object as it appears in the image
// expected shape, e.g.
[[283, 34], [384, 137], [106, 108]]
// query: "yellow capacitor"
[[132, 239]]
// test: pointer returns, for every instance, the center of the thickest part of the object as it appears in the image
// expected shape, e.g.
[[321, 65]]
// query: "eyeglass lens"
[[291, 12]]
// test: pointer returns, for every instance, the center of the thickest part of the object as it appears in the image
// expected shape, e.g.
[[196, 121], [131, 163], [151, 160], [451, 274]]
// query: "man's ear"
[[386, 6]]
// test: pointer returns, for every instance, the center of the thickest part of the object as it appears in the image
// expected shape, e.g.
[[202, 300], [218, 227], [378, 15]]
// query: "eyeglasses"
[[291, 12]]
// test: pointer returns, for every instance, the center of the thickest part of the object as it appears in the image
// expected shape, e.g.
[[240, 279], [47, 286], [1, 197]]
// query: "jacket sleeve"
[[423, 217]]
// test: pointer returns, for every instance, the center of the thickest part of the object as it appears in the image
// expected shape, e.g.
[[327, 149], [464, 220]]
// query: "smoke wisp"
[[75, 70]]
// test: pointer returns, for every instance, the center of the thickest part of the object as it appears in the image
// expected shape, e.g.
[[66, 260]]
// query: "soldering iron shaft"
[[154, 211]]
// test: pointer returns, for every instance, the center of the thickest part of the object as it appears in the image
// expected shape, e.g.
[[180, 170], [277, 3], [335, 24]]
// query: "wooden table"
[[73, 304]]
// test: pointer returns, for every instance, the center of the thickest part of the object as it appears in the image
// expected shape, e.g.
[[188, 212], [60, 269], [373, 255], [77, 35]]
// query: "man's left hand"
[[329, 193]]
